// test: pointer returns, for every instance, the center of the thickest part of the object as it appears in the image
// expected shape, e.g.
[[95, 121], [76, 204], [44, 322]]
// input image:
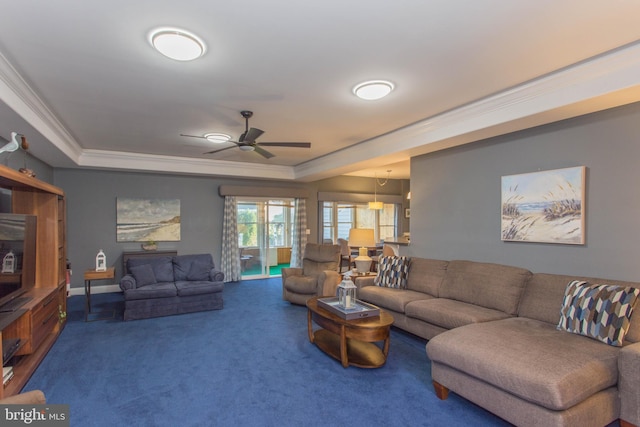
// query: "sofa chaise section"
[[165, 286], [528, 372]]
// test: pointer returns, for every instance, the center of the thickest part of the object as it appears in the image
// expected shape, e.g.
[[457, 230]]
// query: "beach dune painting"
[[143, 220], [545, 207]]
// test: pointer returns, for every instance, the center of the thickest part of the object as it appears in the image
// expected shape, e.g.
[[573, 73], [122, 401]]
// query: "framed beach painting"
[[144, 220], [545, 207]]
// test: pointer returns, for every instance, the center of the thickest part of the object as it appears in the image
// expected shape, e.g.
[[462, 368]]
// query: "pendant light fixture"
[[376, 204]]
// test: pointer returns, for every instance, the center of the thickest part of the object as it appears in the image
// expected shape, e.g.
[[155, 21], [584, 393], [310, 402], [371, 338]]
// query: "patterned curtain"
[[230, 253], [299, 238]]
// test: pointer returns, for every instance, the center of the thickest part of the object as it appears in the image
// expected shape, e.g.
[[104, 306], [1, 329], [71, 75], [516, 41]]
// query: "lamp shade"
[[361, 237]]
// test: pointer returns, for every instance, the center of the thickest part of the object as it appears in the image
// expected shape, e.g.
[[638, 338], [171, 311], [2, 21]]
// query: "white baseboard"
[[102, 289]]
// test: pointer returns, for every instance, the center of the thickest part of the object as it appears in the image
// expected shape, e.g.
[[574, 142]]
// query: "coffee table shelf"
[[352, 342]]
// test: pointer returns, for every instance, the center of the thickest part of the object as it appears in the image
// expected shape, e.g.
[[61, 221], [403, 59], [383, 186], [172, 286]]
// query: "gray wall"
[[91, 210], [456, 196]]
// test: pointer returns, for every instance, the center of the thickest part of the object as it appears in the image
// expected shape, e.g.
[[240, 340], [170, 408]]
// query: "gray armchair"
[[318, 276]]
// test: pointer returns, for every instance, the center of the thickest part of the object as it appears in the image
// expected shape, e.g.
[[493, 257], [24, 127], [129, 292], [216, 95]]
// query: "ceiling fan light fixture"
[[217, 138], [373, 89], [177, 44], [246, 147]]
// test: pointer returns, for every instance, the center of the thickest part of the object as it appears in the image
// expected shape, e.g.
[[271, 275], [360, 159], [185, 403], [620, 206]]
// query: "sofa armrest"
[[33, 397], [127, 282], [361, 282], [628, 384], [216, 275], [290, 271], [328, 281]]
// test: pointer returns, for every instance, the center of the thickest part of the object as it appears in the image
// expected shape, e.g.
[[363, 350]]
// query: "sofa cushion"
[[390, 298], [144, 275], [597, 311], [392, 272], [192, 267], [162, 267], [530, 359], [488, 285], [449, 314], [198, 287], [199, 271], [157, 290], [426, 275]]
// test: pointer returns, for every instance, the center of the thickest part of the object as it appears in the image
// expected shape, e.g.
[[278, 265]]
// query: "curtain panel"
[[299, 235], [231, 266]]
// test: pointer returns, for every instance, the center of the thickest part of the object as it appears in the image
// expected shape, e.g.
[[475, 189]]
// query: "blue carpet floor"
[[250, 364]]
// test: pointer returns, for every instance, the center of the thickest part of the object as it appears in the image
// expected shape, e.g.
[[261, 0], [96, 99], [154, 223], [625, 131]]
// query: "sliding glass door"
[[264, 236]]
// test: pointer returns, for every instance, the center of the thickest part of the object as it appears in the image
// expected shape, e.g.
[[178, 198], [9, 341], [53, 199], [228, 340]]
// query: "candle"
[[347, 301]]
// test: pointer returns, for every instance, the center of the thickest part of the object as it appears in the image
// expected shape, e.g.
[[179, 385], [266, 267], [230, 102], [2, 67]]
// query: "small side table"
[[90, 275], [353, 277]]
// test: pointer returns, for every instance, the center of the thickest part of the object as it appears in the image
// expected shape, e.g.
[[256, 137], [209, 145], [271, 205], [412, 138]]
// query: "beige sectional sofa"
[[493, 339]]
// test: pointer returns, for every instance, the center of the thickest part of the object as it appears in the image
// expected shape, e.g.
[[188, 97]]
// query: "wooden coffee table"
[[352, 342]]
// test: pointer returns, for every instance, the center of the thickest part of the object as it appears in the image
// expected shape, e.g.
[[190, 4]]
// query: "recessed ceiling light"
[[177, 44], [373, 89], [217, 138]]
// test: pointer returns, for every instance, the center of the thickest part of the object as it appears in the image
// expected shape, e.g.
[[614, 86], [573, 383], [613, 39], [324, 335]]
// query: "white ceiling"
[[81, 81]]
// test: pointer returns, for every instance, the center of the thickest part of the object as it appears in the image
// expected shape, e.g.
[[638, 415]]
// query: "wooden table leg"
[[87, 299], [385, 349], [344, 358], [309, 326]]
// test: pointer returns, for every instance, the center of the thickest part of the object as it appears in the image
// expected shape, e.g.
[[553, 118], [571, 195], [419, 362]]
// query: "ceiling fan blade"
[[253, 134], [222, 149], [193, 136], [264, 153], [286, 144]]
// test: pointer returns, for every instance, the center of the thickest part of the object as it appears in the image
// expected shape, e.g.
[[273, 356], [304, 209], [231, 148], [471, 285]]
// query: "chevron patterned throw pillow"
[[392, 272], [602, 312]]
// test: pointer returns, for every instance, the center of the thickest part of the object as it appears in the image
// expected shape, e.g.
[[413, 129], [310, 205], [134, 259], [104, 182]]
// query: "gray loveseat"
[[494, 340], [164, 286]]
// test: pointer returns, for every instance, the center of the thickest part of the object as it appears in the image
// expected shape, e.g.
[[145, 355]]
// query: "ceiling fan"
[[247, 141]]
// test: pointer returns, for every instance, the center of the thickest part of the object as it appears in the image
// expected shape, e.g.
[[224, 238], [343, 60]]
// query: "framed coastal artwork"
[[144, 220], [545, 207]]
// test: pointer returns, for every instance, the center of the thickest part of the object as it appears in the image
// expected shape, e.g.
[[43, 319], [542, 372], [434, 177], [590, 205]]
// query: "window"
[[339, 217]]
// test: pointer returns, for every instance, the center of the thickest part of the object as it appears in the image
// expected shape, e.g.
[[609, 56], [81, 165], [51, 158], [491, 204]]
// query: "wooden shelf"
[[39, 321]]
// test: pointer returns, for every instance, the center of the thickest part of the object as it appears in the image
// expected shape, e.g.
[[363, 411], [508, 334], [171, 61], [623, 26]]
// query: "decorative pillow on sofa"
[[597, 311], [144, 275], [392, 272]]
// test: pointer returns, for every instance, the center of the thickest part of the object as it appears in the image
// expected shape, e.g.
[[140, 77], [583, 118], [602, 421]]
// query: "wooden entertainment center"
[[38, 323]]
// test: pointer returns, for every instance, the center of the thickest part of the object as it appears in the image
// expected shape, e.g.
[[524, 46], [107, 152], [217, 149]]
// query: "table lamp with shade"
[[362, 238]]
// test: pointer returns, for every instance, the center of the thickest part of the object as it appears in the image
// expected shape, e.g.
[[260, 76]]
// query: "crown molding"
[[181, 165], [592, 85], [19, 96]]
